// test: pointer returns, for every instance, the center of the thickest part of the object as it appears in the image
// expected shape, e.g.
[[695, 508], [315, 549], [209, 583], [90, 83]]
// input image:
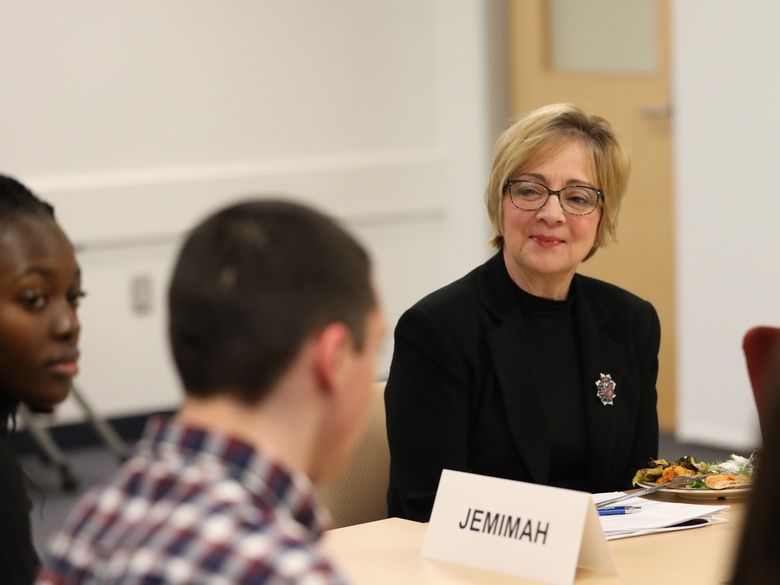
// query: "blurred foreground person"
[[274, 328], [40, 289], [757, 560]]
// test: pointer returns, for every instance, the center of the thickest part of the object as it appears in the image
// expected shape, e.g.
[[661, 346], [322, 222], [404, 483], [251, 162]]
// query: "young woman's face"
[[40, 288]]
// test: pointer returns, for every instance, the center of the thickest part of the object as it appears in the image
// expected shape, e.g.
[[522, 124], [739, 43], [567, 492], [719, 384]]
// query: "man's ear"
[[332, 352]]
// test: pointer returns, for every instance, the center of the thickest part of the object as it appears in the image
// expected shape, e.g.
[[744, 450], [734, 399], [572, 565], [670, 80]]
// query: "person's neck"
[[276, 426], [547, 286]]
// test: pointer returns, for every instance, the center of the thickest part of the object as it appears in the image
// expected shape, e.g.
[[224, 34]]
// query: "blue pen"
[[618, 510]]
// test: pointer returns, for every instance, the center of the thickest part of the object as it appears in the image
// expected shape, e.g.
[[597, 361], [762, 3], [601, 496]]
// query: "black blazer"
[[462, 394]]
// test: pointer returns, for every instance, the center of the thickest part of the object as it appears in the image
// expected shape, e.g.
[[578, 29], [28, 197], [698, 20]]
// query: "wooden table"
[[388, 551]]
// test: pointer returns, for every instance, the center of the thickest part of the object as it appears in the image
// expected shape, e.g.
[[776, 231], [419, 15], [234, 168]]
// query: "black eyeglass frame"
[[550, 192]]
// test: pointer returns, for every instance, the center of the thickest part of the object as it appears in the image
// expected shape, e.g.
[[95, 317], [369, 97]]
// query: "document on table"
[[656, 517]]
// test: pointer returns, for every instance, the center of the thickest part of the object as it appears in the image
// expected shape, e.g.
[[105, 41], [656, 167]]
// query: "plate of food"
[[730, 479]]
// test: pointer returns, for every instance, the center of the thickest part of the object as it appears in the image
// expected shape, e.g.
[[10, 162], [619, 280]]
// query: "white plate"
[[703, 493]]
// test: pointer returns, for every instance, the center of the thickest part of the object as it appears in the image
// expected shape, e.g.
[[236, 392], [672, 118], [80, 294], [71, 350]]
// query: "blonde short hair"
[[540, 135]]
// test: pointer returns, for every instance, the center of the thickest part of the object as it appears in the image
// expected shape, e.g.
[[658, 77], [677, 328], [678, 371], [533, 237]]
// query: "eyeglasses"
[[574, 199]]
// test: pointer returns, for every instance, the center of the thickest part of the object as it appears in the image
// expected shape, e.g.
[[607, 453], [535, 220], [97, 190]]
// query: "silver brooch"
[[606, 389]]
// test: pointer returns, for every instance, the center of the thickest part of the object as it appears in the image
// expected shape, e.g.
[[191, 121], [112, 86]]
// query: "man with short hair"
[[275, 330]]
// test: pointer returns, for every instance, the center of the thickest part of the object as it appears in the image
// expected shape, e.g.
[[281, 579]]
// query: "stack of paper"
[[656, 517]]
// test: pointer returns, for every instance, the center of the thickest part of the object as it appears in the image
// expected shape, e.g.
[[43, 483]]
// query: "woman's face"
[[40, 288], [543, 248]]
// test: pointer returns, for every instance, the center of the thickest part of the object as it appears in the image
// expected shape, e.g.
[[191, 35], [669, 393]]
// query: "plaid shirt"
[[192, 507]]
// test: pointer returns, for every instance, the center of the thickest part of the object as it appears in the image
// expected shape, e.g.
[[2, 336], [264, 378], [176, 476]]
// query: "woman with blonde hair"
[[524, 369]]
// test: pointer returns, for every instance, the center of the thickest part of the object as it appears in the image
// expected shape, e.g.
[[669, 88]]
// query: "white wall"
[[137, 118], [727, 143]]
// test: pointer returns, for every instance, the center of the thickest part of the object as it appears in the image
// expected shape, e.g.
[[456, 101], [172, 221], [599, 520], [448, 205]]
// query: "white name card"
[[521, 529]]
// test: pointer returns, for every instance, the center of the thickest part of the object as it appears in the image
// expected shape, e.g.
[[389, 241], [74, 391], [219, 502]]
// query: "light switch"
[[142, 294]]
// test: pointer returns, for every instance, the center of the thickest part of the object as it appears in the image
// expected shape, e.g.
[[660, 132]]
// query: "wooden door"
[[642, 261]]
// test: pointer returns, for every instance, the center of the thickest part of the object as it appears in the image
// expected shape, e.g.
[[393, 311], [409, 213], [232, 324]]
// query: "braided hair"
[[15, 198]]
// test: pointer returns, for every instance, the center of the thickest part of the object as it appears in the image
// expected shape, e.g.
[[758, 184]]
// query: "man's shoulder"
[[282, 548], [219, 530], [244, 547]]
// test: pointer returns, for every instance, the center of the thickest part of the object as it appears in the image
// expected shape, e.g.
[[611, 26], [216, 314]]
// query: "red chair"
[[761, 345]]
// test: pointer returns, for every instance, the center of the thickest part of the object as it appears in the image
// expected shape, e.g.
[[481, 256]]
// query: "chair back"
[[761, 345], [359, 494]]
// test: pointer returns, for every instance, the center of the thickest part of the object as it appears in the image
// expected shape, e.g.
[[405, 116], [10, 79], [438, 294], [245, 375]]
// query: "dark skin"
[[40, 289]]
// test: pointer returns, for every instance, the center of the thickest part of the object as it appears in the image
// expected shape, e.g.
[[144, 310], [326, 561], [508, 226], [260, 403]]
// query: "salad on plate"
[[735, 472]]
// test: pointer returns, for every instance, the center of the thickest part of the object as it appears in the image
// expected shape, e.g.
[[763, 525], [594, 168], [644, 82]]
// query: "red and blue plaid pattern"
[[192, 507]]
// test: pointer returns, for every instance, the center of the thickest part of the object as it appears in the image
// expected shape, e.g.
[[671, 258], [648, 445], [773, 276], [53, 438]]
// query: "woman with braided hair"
[[40, 289]]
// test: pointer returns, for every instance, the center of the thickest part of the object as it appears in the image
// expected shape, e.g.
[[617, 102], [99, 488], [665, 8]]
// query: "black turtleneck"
[[551, 331]]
